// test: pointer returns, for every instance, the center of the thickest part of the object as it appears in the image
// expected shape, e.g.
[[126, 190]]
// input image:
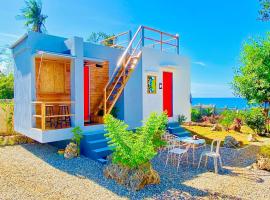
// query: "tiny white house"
[[62, 83]]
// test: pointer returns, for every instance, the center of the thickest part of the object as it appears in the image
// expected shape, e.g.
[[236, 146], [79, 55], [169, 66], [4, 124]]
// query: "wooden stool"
[[49, 112], [63, 110]]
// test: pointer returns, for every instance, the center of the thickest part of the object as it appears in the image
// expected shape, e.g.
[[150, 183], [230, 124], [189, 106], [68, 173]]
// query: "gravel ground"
[[35, 171]]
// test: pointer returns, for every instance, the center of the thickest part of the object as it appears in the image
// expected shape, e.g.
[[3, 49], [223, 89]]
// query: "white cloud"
[[199, 63], [9, 35], [210, 90]]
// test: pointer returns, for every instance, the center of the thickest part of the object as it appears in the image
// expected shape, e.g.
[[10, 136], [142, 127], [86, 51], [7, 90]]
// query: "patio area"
[[35, 171]]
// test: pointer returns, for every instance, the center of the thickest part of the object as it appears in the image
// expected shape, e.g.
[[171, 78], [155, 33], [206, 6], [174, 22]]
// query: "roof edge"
[[22, 38]]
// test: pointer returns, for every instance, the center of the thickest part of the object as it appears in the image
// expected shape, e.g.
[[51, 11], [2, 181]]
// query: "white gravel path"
[[35, 171]]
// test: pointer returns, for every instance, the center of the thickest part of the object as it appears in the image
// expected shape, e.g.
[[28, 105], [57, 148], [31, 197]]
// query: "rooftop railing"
[[150, 37]]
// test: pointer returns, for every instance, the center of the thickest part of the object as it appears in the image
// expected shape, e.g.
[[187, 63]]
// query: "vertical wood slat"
[[43, 115]]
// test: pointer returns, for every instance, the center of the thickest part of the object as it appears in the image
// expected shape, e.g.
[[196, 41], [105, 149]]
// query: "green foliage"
[[97, 37], [265, 151], [255, 119], [161, 122], [264, 11], [252, 79], [8, 108], [135, 149], [114, 112], [228, 116], [6, 86], [6, 60], [207, 111], [32, 14], [77, 136], [195, 115], [181, 119]]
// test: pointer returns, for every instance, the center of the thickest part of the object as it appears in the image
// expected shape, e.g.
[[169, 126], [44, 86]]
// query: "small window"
[[151, 84]]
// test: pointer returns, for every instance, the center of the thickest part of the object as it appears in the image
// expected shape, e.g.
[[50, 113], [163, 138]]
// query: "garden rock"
[[216, 127], [71, 151], [231, 142], [134, 179]]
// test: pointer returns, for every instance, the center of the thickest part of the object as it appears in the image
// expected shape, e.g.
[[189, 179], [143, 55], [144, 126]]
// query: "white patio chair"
[[213, 154], [178, 151]]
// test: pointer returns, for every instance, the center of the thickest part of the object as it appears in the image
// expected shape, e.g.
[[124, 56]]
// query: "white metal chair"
[[177, 150], [213, 154]]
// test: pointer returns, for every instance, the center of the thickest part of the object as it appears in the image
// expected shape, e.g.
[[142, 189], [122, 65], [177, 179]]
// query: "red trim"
[[168, 93], [86, 93]]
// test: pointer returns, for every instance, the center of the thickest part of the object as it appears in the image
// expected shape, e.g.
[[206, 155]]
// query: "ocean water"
[[239, 103]]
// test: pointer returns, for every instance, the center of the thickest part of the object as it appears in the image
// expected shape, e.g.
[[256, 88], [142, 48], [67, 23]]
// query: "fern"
[[135, 149]]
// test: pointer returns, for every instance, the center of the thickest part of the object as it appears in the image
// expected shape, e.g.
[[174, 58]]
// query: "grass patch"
[[14, 140], [265, 151], [208, 135]]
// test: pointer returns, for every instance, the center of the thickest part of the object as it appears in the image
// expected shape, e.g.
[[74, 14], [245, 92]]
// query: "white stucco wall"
[[154, 63], [134, 104]]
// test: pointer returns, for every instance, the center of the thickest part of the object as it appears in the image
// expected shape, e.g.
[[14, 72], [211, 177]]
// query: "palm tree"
[[33, 17]]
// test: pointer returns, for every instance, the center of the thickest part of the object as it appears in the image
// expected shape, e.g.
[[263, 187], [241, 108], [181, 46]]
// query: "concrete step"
[[173, 124], [94, 135], [102, 161], [176, 129], [96, 144], [182, 134], [103, 152]]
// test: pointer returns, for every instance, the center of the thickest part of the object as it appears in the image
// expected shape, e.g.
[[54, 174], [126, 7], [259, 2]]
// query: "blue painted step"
[[173, 124], [103, 152], [182, 134], [96, 144], [176, 129], [95, 135], [102, 161]]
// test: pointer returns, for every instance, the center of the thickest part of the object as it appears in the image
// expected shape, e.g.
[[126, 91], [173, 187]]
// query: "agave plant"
[[33, 17]]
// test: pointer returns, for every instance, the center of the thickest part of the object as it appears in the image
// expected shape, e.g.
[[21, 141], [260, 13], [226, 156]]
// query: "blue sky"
[[211, 32]]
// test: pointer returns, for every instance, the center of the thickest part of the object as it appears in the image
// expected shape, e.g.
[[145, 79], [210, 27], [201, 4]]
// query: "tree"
[[6, 60], [252, 79], [34, 19], [97, 37], [6, 86], [264, 12]]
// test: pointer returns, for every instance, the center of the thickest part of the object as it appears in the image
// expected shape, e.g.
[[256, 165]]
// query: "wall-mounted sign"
[[151, 84]]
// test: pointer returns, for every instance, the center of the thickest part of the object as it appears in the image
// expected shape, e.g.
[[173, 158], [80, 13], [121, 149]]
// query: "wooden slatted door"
[[168, 93], [86, 94]]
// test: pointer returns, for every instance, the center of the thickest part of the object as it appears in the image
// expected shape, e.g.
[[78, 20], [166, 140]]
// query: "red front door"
[[86, 94], [168, 93]]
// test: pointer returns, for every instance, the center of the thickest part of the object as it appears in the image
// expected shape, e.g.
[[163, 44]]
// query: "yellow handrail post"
[[43, 115], [104, 107]]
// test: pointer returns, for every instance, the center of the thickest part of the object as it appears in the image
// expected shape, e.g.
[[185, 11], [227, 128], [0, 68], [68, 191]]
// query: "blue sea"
[[239, 103]]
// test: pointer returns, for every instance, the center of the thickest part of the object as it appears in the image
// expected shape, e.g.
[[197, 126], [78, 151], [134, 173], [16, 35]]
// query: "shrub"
[[195, 115], [135, 149], [8, 108], [255, 119], [229, 116], [181, 119], [77, 136], [6, 86], [207, 111]]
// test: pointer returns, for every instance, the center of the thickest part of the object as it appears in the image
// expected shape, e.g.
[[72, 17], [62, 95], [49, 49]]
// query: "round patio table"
[[195, 144]]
